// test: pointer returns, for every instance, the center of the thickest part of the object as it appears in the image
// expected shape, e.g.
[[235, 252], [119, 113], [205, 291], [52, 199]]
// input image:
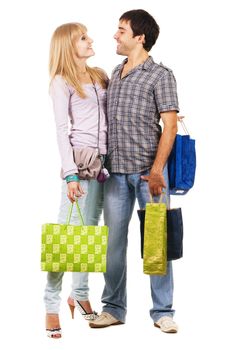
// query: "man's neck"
[[136, 58]]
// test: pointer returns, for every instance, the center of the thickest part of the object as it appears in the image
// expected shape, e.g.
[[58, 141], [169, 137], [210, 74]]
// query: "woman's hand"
[[74, 191]]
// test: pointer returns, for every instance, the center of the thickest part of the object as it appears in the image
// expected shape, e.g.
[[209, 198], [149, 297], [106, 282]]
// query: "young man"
[[140, 93]]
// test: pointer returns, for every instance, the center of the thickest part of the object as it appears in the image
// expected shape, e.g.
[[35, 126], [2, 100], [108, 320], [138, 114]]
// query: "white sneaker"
[[167, 325], [104, 320]]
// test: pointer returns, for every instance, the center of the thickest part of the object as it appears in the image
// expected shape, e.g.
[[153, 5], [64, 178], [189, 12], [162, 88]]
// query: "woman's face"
[[84, 46]]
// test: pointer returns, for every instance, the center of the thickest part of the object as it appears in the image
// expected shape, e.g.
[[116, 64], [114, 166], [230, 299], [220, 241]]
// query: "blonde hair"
[[61, 61]]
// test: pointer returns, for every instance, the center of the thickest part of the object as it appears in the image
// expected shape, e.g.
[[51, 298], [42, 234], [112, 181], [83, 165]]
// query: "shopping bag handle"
[[70, 213], [184, 126], [160, 199]]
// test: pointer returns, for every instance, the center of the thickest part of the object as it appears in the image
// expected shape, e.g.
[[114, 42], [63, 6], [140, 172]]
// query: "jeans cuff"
[[120, 316], [158, 315]]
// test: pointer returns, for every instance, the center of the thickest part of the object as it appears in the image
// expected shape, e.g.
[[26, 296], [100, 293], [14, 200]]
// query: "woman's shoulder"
[[59, 83], [102, 73], [58, 80]]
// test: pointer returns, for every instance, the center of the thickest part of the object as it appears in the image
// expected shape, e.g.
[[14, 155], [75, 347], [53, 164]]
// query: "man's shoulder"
[[161, 69], [117, 68]]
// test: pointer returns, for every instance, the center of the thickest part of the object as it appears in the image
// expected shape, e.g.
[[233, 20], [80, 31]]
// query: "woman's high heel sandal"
[[55, 331], [74, 303]]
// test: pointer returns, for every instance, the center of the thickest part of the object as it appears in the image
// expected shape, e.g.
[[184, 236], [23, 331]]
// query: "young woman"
[[79, 96]]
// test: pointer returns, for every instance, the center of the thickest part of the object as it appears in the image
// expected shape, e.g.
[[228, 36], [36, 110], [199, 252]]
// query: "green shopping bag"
[[155, 239], [72, 248]]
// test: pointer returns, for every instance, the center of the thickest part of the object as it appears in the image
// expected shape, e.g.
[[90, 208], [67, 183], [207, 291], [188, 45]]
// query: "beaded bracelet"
[[71, 178]]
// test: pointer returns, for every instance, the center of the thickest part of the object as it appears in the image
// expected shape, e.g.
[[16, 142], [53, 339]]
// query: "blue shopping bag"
[[182, 164]]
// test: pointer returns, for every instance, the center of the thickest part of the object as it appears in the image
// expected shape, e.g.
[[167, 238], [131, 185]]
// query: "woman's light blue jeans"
[[91, 208], [120, 193]]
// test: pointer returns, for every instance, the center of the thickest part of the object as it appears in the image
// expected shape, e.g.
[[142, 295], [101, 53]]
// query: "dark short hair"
[[142, 22]]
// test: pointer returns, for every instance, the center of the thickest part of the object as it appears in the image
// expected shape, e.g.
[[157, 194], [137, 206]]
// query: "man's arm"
[[156, 179]]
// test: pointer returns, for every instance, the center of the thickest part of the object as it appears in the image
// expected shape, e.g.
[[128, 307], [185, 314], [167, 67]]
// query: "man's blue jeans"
[[120, 193]]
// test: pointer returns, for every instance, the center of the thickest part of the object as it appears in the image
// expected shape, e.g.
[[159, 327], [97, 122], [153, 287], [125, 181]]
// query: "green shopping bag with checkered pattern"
[[72, 248]]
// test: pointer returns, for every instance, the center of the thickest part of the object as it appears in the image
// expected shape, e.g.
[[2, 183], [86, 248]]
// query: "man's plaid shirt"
[[134, 104]]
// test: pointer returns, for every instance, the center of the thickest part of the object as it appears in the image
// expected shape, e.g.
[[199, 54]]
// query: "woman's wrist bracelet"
[[71, 178]]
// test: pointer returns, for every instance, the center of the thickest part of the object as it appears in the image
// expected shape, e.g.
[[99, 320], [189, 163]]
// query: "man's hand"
[[156, 183]]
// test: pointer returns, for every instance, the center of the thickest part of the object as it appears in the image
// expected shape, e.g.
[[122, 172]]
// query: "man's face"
[[124, 37]]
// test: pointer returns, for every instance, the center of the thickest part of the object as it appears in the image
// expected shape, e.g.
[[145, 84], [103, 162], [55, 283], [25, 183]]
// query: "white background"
[[198, 41]]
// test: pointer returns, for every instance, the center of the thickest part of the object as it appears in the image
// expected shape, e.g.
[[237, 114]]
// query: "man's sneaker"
[[167, 325], [104, 320]]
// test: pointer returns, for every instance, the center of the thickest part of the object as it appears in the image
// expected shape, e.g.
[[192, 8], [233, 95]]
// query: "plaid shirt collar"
[[147, 65]]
